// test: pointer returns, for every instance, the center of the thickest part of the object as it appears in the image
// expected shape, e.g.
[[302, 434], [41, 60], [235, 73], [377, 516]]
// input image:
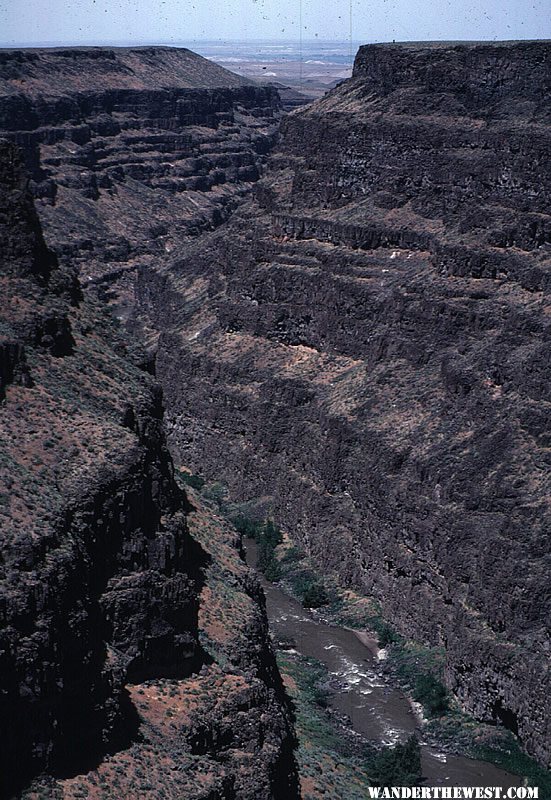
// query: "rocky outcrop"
[[22, 244], [100, 579], [367, 344], [226, 730]]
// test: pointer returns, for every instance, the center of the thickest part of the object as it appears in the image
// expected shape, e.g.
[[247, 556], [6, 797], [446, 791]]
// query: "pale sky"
[[171, 21]]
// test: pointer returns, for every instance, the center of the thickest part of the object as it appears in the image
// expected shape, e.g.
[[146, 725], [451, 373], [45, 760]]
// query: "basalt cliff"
[[366, 345], [360, 339], [132, 152], [134, 652]]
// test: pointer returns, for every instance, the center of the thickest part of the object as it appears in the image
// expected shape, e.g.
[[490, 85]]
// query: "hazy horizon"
[[172, 22], [185, 42], [222, 41]]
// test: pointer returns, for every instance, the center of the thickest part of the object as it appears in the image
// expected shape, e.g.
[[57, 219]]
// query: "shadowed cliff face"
[[95, 553], [367, 343], [101, 583]]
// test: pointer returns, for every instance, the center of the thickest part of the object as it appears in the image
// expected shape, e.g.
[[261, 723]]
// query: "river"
[[377, 710]]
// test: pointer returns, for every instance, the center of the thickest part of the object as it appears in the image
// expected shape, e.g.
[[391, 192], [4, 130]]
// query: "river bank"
[[456, 749], [360, 693]]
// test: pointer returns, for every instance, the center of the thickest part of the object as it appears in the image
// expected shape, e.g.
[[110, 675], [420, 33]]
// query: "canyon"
[[368, 340], [347, 309]]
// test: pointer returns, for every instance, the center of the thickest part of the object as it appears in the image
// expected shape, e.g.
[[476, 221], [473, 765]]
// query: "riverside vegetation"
[[331, 761], [417, 669]]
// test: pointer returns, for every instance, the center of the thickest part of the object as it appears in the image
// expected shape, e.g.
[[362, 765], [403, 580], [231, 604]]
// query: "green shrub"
[[420, 669], [216, 492], [246, 526], [385, 634], [315, 595], [292, 555], [272, 571], [195, 481], [268, 537], [314, 676], [431, 693], [397, 766], [271, 534], [301, 580]]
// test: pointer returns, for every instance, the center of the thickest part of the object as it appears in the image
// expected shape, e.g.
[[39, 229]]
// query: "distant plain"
[[310, 68]]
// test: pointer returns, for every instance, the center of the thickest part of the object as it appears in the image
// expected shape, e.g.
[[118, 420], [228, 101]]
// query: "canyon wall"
[[365, 345], [132, 152], [87, 564], [110, 658], [364, 342]]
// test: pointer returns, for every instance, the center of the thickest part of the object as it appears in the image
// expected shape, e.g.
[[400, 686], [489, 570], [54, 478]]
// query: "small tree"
[[272, 572], [431, 693], [397, 766], [271, 533], [250, 528], [216, 492], [195, 481], [315, 595], [386, 635]]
